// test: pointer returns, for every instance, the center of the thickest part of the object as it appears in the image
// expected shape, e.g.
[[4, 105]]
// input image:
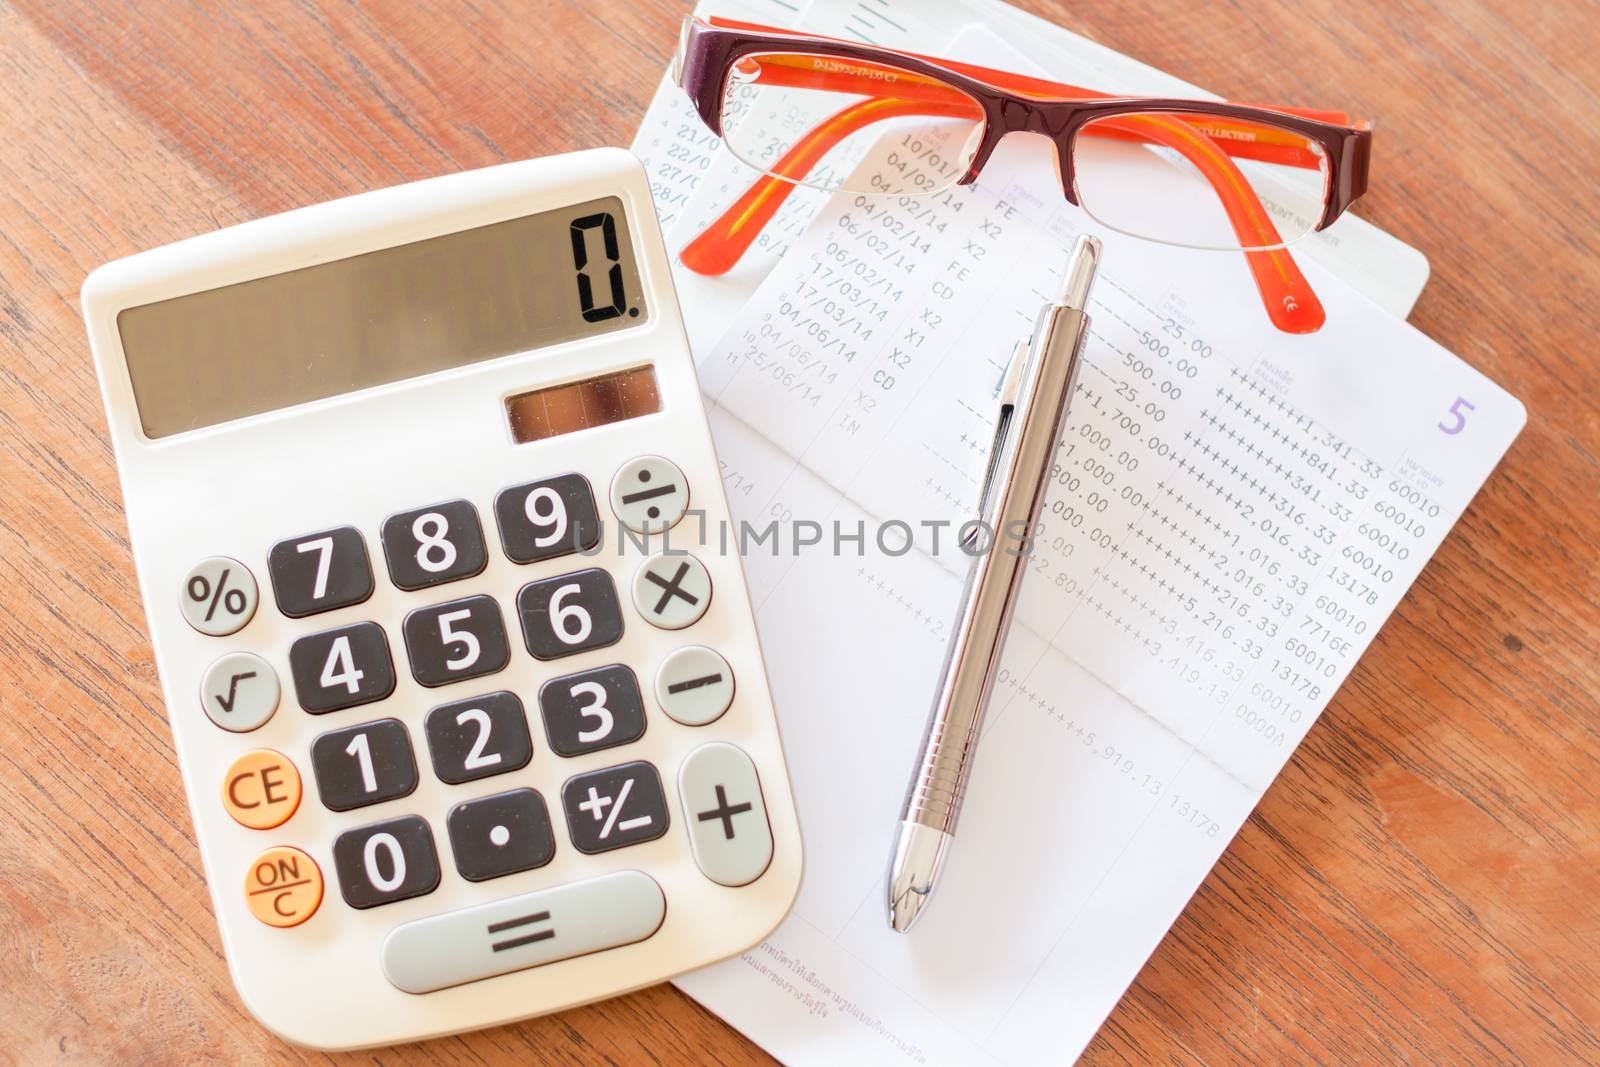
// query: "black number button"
[[501, 834], [386, 861], [592, 710], [342, 668], [363, 765], [542, 520], [320, 572], [459, 639], [615, 807], [570, 613], [433, 545], [477, 738]]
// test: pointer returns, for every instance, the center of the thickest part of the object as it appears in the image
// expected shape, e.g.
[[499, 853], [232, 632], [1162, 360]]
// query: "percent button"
[[218, 596]]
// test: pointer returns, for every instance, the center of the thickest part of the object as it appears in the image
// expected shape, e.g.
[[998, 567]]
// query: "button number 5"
[[1458, 411]]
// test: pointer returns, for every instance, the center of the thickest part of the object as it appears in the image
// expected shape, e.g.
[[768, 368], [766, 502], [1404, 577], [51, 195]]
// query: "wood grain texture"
[[1423, 881]]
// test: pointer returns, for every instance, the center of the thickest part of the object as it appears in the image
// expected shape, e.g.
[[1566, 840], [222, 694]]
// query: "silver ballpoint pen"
[[1033, 406]]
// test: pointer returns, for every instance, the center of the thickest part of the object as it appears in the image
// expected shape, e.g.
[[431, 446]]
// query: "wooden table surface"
[[1423, 881]]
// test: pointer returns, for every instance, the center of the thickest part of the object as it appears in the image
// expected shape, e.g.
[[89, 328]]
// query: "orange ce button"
[[262, 789], [283, 886]]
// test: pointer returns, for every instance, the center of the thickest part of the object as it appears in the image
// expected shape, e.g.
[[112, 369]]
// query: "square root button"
[[524, 931]]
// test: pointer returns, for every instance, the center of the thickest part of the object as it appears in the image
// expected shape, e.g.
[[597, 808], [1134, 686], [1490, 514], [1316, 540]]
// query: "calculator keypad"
[[433, 545], [591, 710], [366, 764], [478, 737], [456, 640], [570, 613], [501, 834], [614, 807], [318, 572], [545, 519], [386, 861], [341, 668]]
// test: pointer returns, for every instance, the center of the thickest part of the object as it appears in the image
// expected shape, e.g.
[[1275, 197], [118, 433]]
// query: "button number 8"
[[435, 552]]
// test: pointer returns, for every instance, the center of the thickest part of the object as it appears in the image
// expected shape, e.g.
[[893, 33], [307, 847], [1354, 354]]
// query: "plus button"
[[725, 812]]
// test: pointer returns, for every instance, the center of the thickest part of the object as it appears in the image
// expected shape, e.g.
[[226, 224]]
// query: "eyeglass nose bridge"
[[1057, 120]]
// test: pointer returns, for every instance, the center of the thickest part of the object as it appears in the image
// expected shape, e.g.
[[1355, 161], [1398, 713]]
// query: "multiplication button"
[[672, 590], [239, 692], [649, 494], [218, 596], [694, 686]]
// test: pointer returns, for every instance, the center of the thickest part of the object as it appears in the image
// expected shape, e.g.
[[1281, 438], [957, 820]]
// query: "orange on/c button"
[[283, 886], [262, 789]]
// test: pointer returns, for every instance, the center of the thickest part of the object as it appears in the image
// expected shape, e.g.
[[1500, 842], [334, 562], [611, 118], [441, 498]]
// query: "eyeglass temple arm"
[[724, 241], [1286, 295]]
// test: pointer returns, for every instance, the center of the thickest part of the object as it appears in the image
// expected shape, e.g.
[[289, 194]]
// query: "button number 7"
[[1458, 411]]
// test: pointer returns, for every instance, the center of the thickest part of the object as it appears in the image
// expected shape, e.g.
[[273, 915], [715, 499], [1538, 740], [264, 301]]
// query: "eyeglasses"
[[806, 110]]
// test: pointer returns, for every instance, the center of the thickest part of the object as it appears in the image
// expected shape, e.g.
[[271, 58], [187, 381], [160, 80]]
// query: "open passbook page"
[[1234, 513]]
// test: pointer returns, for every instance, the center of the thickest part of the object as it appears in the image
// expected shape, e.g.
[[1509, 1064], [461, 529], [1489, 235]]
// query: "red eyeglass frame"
[[1015, 103]]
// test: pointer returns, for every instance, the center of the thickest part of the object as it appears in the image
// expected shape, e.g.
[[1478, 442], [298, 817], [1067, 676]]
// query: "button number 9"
[[547, 512]]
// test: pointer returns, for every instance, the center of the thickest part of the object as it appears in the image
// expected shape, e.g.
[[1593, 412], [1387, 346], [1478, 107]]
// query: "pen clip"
[[1010, 387]]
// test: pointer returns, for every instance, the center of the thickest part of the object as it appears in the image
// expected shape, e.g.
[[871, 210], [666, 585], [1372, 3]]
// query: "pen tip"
[[1081, 264]]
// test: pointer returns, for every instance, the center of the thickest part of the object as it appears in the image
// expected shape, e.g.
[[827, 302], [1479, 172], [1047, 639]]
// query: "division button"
[[261, 789], [501, 834], [649, 494], [672, 590], [239, 692], [524, 931], [694, 686], [728, 829], [218, 597], [283, 887]]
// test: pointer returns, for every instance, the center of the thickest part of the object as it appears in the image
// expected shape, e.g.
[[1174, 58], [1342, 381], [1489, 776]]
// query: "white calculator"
[[466, 692]]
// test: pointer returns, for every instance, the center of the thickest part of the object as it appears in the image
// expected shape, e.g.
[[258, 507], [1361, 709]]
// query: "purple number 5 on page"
[[1459, 411]]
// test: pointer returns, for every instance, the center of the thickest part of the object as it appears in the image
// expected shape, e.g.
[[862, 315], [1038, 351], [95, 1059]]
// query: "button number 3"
[[1458, 411], [595, 709]]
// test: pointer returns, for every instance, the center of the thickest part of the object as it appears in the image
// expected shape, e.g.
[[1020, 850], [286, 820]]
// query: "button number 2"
[[1458, 411]]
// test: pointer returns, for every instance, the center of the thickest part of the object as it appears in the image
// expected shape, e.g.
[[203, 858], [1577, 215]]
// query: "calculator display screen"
[[384, 316]]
